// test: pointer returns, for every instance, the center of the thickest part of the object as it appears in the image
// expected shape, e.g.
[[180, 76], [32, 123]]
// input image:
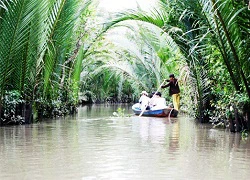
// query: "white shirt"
[[158, 103], [144, 101]]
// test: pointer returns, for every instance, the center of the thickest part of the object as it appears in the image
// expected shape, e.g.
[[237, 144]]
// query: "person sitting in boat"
[[144, 100], [157, 102]]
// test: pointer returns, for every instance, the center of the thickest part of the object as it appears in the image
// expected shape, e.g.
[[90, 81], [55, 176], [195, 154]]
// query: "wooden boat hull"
[[155, 113]]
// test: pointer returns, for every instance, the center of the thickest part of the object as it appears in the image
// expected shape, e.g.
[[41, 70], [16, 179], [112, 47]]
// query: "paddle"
[[144, 108]]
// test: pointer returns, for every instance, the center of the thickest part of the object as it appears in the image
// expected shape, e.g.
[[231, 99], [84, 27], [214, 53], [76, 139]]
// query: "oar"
[[170, 114], [144, 108]]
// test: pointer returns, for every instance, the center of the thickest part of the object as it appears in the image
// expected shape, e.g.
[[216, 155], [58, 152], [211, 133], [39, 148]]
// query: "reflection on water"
[[95, 145]]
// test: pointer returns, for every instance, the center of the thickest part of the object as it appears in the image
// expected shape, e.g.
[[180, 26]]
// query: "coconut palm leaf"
[[61, 40], [15, 28]]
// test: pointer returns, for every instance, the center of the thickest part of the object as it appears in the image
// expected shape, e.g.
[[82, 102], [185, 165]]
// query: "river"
[[95, 145]]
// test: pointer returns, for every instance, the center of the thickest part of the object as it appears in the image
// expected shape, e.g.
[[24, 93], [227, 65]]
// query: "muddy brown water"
[[95, 145]]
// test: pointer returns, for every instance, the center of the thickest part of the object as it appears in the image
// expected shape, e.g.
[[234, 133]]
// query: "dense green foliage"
[[55, 53], [213, 38], [37, 52]]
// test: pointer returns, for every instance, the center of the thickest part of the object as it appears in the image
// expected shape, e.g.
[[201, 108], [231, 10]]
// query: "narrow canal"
[[96, 145]]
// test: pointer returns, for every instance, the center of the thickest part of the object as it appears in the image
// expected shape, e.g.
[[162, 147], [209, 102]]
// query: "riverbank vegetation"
[[57, 54]]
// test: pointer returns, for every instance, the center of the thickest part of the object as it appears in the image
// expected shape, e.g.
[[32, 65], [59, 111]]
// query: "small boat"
[[155, 112]]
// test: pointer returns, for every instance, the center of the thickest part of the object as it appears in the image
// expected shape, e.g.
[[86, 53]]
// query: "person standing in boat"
[[144, 100], [174, 90]]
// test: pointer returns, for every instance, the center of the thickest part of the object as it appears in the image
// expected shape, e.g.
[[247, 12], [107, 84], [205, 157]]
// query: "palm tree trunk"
[[0, 113], [231, 123], [237, 119]]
